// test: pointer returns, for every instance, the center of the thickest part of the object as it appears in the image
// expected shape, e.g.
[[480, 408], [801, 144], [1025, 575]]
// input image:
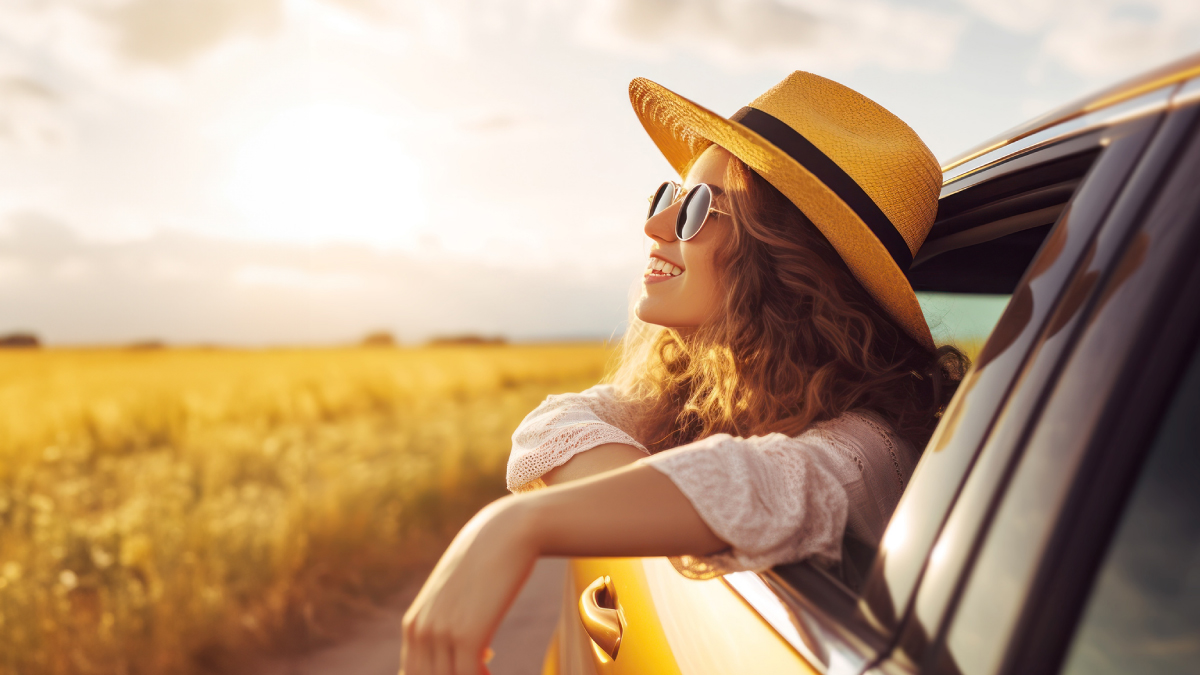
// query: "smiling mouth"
[[661, 269]]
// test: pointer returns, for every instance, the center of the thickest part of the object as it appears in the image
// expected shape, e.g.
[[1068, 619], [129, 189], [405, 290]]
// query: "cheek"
[[704, 287], [708, 290]]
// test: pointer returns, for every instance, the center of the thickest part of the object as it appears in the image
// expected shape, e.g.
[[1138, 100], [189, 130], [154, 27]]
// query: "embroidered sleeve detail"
[[564, 426], [565, 443], [772, 498], [887, 438]]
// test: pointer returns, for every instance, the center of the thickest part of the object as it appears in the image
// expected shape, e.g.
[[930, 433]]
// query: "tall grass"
[[166, 511]]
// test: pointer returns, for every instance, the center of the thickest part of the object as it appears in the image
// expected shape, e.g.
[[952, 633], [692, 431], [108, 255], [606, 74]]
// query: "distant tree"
[[467, 339], [20, 340], [146, 345], [379, 338]]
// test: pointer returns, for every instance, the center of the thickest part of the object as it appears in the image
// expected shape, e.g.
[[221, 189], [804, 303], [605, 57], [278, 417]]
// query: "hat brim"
[[682, 129]]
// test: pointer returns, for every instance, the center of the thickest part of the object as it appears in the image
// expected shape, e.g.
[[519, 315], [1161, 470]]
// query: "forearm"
[[629, 512]]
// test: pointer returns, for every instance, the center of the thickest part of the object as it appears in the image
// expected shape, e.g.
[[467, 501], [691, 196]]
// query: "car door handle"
[[601, 615]]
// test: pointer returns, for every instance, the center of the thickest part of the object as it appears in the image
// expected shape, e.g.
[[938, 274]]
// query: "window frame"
[[1145, 376], [954, 457], [1143, 154]]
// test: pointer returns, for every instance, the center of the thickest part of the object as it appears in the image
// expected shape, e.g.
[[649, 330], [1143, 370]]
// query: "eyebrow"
[[719, 195]]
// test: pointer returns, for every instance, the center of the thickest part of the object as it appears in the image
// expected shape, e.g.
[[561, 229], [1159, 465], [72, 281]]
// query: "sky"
[[277, 172]]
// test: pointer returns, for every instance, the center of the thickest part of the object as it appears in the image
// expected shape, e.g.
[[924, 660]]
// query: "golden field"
[[170, 511]]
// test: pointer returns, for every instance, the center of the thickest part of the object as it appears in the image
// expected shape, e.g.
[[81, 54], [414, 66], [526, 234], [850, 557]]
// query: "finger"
[[443, 656], [471, 661], [418, 653]]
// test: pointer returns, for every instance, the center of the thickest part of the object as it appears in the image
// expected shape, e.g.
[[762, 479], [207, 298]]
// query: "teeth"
[[664, 267]]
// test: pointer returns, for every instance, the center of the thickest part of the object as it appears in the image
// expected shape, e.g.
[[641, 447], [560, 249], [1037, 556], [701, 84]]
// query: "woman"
[[774, 389]]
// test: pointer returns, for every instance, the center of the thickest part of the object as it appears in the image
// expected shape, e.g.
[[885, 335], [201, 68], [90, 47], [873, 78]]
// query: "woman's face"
[[689, 298]]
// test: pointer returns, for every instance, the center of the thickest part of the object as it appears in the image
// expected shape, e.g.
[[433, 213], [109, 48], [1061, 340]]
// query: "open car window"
[[963, 320], [964, 289], [989, 278]]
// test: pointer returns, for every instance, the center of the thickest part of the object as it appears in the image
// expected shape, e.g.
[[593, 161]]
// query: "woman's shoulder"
[[864, 433], [601, 395], [599, 403], [859, 423]]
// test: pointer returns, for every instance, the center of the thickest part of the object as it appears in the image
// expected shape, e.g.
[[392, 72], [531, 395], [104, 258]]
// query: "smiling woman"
[[326, 172]]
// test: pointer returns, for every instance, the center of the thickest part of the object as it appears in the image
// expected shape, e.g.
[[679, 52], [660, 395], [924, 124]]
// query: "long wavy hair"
[[798, 341]]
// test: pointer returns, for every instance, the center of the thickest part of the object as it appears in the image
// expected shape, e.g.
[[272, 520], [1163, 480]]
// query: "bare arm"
[[632, 511], [591, 462], [565, 426], [629, 512]]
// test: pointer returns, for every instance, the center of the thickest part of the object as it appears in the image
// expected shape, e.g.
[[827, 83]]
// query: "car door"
[[638, 615], [1134, 331]]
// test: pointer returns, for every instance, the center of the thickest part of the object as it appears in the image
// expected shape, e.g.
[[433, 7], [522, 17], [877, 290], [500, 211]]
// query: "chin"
[[652, 313], [644, 310]]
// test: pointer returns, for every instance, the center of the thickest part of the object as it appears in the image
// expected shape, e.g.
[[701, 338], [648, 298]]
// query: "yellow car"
[[1053, 524]]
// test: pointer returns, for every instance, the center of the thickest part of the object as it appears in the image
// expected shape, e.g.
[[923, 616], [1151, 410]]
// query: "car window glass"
[[962, 319], [1143, 615]]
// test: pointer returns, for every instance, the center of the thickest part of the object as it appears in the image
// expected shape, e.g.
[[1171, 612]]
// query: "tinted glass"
[[962, 319], [662, 199], [692, 215], [1144, 612]]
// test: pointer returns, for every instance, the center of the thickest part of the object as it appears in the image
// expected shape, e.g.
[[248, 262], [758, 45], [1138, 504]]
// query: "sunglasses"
[[693, 213]]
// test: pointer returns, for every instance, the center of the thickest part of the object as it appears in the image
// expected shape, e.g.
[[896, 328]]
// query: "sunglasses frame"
[[681, 215]]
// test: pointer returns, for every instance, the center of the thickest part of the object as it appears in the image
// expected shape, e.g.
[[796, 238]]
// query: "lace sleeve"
[[776, 499], [773, 499], [564, 426]]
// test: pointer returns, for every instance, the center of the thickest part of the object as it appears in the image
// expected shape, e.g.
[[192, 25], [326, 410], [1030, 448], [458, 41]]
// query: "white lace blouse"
[[774, 499]]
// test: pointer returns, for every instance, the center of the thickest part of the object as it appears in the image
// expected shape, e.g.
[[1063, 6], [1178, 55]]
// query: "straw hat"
[[861, 175]]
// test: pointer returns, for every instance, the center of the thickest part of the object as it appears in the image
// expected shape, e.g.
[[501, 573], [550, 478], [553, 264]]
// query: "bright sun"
[[327, 172]]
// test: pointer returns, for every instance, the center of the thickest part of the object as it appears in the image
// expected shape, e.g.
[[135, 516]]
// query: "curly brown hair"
[[799, 341]]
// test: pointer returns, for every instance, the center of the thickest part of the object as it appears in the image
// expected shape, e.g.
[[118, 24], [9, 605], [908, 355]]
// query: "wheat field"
[[170, 511]]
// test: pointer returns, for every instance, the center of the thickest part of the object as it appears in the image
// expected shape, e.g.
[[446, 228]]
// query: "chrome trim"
[[1136, 107], [1168, 74], [1188, 92], [759, 595], [780, 616]]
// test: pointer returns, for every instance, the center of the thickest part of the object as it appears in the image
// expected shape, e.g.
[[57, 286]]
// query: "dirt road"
[[374, 649]]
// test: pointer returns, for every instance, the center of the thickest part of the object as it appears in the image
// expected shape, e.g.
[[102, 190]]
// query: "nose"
[[661, 227]]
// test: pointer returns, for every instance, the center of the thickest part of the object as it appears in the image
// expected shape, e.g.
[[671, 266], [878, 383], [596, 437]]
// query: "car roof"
[[1131, 88]]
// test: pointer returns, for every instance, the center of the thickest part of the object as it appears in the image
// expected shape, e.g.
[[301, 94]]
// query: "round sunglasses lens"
[[693, 213], [663, 198]]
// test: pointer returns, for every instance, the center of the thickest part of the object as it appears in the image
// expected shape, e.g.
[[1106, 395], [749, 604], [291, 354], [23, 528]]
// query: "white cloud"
[[289, 277], [1101, 38], [29, 113], [72, 268], [254, 293], [11, 269], [1022, 16], [811, 34], [172, 33], [840, 34]]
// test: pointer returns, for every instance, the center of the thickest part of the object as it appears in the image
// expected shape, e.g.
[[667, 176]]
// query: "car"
[[1053, 522]]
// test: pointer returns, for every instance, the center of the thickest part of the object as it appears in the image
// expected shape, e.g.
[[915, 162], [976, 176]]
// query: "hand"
[[631, 512], [451, 622]]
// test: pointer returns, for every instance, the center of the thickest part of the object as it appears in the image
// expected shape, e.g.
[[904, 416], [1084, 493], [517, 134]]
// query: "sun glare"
[[323, 173]]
